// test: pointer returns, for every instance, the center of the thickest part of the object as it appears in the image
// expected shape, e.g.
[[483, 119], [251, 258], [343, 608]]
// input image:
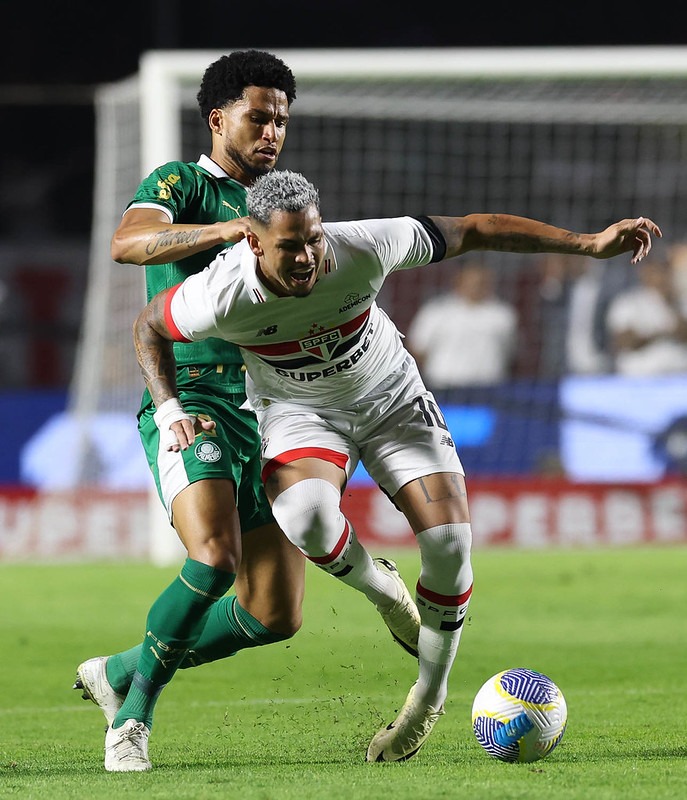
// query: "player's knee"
[[220, 552], [445, 550], [308, 512], [451, 541]]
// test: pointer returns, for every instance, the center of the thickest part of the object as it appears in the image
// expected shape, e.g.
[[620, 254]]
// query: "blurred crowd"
[[561, 315]]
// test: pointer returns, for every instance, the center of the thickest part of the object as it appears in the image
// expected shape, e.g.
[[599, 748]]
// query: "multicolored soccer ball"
[[519, 715]]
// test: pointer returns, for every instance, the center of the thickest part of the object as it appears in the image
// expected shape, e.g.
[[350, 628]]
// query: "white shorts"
[[397, 431]]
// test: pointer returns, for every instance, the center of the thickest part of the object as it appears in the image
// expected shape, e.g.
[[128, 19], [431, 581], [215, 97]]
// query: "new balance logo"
[[269, 331], [446, 440]]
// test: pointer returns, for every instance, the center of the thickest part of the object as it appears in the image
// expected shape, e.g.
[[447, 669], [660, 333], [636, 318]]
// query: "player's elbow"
[[120, 252], [139, 327], [144, 330]]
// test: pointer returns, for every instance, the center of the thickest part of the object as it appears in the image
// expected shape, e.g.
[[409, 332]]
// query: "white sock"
[[443, 595]]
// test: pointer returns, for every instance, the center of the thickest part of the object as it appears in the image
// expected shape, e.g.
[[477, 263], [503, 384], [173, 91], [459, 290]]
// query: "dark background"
[[53, 54]]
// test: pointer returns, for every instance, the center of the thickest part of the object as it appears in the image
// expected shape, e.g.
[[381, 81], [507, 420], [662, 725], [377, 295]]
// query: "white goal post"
[[576, 136], [162, 73]]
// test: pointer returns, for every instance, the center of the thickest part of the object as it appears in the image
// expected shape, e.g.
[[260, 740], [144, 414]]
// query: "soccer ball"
[[519, 715]]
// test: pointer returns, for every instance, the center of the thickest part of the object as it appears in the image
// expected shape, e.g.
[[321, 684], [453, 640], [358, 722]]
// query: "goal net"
[[577, 137]]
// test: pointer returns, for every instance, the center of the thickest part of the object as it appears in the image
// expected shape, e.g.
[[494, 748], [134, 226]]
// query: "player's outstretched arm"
[[508, 233]]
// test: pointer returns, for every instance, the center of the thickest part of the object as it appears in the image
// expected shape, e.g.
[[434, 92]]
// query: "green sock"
[[228, 629], [175, 621], [120, 668]]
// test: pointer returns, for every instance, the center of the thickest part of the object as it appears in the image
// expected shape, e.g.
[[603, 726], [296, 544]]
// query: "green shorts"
[[231, 450]]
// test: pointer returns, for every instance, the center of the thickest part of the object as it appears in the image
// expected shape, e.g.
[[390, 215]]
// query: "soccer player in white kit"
[[332, 384]]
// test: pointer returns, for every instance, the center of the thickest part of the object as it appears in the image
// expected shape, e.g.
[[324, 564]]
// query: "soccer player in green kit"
[[181, 216]]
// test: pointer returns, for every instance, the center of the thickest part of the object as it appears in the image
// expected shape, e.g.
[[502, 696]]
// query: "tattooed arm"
[[146, 236], [155, 354], [154, 351], [507, 233]]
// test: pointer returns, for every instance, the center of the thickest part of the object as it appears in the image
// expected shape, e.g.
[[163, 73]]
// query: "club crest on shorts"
[[207, 451]]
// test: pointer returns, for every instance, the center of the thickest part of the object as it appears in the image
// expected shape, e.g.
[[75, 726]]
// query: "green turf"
[[293, 720]]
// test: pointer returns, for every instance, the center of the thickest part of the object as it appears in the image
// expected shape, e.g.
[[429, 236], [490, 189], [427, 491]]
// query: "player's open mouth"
[[302, 277]]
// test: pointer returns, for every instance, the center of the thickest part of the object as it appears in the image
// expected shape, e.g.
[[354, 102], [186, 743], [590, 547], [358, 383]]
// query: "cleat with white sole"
[[126, 748], [403, 738], [402, 618], [91, 678]]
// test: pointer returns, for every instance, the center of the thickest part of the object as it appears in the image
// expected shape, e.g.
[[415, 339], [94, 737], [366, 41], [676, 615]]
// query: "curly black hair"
[[225, 79]]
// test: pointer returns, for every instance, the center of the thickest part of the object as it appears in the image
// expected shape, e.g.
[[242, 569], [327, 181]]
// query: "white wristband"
[[170, 411]]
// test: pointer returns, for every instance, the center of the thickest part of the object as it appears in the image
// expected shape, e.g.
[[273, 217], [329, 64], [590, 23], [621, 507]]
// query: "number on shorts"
[[432, 413]]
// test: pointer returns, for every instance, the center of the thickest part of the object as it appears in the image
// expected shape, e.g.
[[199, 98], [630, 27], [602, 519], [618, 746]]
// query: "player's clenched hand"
[[177, 428], [627, 236], [234, 230]]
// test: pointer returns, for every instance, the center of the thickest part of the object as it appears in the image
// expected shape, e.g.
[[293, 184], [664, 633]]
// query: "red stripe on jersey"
[[338, 547], [444, 599], [177, 336], [295, 347], [339, 459]]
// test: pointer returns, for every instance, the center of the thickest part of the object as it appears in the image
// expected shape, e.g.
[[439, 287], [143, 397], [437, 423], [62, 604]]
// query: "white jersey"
[[647, 313], [329, 348]]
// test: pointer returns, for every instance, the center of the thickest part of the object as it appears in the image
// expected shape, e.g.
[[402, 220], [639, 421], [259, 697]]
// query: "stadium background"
[[50, 68]]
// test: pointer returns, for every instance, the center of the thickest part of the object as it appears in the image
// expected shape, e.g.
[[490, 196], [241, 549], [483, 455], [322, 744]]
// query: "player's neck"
[[265, 281], [232, 169]]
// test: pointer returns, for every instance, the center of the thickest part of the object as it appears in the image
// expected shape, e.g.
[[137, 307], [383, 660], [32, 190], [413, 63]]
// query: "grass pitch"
[[292, 721]]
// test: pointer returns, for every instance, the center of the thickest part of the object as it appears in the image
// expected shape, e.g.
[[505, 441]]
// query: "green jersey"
[[210, 378], [192, 193]]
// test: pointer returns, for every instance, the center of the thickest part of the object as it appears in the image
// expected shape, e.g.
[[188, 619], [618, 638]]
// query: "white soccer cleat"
[[126, 748], [403, 738], [91, 678], [402, 618]]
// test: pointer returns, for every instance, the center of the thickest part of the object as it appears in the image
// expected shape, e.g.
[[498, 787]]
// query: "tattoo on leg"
[[456, 490], [459, 486]]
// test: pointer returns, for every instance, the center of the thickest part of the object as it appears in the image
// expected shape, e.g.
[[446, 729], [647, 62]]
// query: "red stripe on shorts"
[[339, 459]]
